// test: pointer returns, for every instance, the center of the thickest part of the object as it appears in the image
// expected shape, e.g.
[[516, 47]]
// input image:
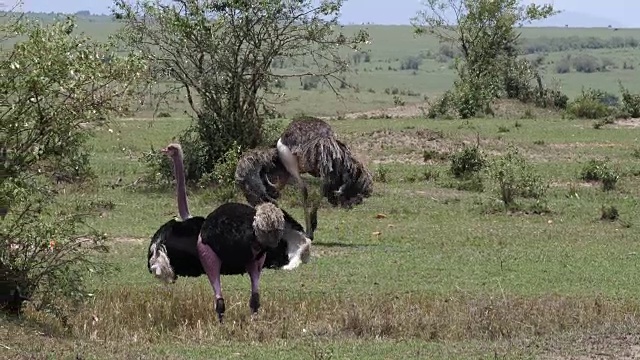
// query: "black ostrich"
[[173, 250], [228, 245]]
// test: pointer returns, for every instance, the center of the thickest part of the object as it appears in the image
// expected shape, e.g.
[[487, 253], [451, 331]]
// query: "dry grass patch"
[[405, 146], [627, 123], [186, 313], [625, 346]]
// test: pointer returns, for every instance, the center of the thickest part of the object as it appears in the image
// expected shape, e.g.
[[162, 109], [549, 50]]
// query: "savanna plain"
[[428, 267]]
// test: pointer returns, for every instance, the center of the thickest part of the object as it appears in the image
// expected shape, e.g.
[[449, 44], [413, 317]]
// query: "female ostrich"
[[228, 245], [252, 175], [307, 145], [173, 249]]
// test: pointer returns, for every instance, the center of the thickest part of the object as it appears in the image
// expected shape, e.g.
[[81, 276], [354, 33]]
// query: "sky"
[[618, 13]]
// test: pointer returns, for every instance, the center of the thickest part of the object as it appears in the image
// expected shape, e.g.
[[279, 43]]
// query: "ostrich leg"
[[211, 264], [290, 163], [254, 269]]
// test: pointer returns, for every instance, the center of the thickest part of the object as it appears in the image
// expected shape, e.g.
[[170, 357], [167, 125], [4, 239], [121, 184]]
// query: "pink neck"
[[183, 206]]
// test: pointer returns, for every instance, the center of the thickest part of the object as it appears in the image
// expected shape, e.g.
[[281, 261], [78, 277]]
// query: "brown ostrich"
[[308, 145]]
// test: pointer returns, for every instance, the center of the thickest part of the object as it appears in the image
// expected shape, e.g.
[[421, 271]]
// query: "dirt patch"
[[405, 146], [568, 184], [625, 346], [577, 145], [404, 111], [129, 240], [627, 123]]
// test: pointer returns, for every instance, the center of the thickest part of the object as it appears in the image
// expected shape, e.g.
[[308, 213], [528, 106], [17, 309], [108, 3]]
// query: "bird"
[[172, 250], [252, 175], [173, 247], [228, 244], [307, 145]]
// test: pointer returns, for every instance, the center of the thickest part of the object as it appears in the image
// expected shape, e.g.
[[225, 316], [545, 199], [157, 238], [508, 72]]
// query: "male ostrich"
[[228, 245], [173, 249], [307, 145]]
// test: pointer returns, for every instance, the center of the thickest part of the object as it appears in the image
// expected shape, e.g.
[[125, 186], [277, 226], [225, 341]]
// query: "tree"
[[53, 84], [485, 31], [221, 53]]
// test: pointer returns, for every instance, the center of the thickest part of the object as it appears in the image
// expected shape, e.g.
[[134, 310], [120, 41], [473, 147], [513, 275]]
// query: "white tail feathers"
[[160, 265], [298, 248]]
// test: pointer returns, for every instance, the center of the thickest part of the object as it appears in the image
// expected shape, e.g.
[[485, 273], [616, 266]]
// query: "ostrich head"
[[173, 150], [268, 224]]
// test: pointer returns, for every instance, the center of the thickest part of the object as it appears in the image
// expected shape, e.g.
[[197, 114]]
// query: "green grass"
[[436, 277]]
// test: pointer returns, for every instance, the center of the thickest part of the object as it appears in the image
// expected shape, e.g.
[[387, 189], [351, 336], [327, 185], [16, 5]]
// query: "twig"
[[5, 346]]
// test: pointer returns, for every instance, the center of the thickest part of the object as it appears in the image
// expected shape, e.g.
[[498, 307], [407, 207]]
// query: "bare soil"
[[627, 123], [404, 111], [408, 145], [622, 347]]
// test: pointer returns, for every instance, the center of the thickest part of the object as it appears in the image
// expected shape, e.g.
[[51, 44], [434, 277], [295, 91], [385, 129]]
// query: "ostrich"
[[173, 249], [252, 172], [173, 246], [230, 245], [307, 145]]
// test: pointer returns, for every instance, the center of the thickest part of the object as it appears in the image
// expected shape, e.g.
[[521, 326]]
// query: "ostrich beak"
[[164, 151]]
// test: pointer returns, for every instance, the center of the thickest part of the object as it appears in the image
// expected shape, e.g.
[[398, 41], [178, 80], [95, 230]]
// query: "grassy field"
[[376, 83], [436, 276], [422, 270]]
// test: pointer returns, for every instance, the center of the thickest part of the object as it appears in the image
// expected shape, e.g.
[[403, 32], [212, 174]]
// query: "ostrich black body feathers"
[[232, 223], [179, 238], [229, 232]]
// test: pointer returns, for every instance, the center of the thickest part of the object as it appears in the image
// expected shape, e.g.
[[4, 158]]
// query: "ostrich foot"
[[254, 303], [220, 309]]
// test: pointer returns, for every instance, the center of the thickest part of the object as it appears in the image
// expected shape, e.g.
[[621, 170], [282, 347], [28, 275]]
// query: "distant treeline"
[[546, 45], [556, 44]]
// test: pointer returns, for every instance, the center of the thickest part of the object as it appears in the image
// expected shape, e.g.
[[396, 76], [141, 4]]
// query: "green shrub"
[[609, 213], [600, 170], [590, 104], [512, 177], [467, 161], [57, 82], [381, 173], [630, 102]]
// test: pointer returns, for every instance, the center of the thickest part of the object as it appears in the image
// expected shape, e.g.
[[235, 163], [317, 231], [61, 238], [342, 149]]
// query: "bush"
[[563, 66], [630, 102], [466, 162], [55, 82], [223, 174], [609, 213], [411, 63], [47, 254], [586, 63], [552, 98], [513, 177], [590, 104], [599, 170]]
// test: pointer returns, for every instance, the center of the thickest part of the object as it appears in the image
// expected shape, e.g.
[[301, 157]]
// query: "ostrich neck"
[[183, 206]]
